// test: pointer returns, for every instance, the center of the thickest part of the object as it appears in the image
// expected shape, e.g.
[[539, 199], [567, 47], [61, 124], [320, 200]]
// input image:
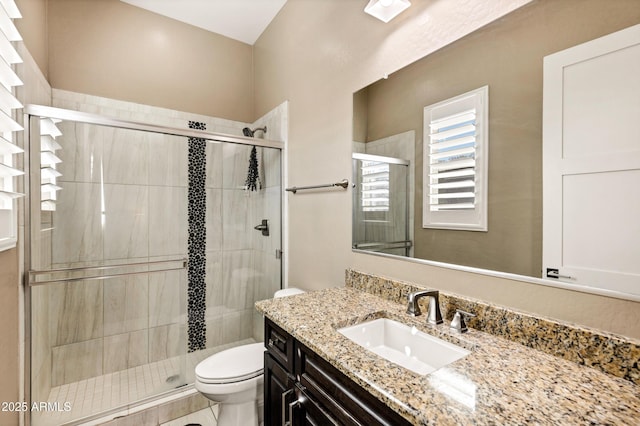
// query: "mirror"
[[506, 55]]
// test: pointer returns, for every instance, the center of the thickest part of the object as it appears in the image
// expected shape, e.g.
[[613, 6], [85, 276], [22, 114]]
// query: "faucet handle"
[[458, 323], [412, 303]]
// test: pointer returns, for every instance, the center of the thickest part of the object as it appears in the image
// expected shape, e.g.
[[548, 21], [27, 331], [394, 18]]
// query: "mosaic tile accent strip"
[[607, 352], [197, 207]]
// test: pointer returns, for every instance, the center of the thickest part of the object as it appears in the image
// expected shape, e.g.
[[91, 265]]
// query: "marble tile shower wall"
[[124, 200]]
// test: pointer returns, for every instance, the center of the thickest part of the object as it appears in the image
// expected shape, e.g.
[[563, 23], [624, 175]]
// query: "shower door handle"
[[264, 227]]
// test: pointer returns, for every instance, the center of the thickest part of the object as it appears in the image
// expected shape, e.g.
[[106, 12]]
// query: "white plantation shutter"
[[375, 186], [8, 126], [48, 164], [455, 162]]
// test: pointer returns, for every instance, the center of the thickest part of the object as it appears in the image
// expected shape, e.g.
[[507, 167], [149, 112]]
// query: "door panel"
[[591, 163]]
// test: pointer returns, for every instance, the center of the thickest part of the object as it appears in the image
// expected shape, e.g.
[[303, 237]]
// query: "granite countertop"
[[500, 382]]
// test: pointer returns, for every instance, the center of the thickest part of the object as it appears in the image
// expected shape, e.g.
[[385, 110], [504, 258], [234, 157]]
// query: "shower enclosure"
[[142, 256], [381, 208]]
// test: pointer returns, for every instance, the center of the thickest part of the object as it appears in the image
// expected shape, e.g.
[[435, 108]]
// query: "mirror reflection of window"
[[456, 153], [375, 186]]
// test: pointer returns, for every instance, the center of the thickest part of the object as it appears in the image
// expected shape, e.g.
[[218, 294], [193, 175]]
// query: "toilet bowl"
[[234, 379]]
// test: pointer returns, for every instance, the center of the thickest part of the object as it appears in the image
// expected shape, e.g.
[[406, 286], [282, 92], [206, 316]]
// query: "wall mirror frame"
[[507, 55]]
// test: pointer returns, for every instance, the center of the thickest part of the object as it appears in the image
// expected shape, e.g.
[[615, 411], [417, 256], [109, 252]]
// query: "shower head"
[[250, 133]]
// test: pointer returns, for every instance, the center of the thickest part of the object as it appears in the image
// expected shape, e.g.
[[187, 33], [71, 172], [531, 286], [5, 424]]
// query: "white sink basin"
[[404, 345]]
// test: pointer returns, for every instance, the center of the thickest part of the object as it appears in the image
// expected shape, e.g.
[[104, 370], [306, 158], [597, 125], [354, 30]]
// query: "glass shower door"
[[108, 280], [381, 216]]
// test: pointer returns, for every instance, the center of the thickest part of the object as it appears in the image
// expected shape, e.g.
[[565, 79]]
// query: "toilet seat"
[[232, 365]]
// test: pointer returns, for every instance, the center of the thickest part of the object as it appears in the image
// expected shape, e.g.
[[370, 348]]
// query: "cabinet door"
[[306, 412], [347, 402], [278, 392]]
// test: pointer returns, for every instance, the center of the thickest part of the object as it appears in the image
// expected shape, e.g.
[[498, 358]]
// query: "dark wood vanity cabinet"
[[301, 388]]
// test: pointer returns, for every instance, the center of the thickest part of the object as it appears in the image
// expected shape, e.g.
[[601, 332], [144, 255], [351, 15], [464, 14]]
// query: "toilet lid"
[[232, 365], [288, 292]]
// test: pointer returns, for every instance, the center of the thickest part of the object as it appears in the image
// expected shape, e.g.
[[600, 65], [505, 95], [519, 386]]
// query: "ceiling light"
[[386, 10]]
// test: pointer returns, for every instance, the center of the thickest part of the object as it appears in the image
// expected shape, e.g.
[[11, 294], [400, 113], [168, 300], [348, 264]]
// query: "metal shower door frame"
[[28, 274]]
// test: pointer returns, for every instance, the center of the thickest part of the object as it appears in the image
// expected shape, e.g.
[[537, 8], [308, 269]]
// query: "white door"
[[591, 163]]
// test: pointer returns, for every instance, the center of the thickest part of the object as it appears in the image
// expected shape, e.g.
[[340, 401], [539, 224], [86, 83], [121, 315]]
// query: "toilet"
[[234, 379]]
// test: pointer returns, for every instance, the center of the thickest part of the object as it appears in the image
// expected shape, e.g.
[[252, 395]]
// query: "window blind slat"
[[8, 171], [47, 205], [48, 127], [460, 184], [452, 153], [7, 100], [379, 184], [458, 206], [8, 77], [370, 176], [8, 124], [9, 148], [48, 158], [458, 131], [459, 164], [47, 143], [8, 28], [49, 173], [444, 195], [50, 187], [451, 143], [455, 173], [8, 52], [9, 195], [377, 191], [452, 120], [11, 9]]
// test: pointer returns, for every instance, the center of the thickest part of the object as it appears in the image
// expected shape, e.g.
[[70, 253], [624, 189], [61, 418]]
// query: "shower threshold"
[[79, 402]]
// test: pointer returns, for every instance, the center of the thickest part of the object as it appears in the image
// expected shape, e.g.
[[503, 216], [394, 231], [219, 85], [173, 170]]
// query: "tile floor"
[[110, 391], [206, 417]]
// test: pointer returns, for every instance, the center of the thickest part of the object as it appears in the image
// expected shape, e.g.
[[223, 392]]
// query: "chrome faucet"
[[435, 317]]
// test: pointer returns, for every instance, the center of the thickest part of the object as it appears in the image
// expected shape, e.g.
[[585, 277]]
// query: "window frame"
[[471, 219], [8, 125]]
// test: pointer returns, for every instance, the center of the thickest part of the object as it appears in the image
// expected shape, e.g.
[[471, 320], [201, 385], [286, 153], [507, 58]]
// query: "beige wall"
[[9, 354], [316, 54], [507, 56], [33, 29], [112, 49]]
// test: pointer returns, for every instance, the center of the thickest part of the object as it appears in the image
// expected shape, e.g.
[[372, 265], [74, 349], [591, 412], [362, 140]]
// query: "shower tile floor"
[[103, 393]]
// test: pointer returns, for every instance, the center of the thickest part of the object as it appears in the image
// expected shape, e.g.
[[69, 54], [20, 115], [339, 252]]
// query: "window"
[[375, 186], [48, 164], [8, 103], [456, 162]]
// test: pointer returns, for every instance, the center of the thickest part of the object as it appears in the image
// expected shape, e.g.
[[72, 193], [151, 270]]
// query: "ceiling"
[[242, 20]]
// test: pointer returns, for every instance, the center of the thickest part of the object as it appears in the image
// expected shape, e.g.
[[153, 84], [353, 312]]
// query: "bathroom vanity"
[[316, 375], [302, 388]]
